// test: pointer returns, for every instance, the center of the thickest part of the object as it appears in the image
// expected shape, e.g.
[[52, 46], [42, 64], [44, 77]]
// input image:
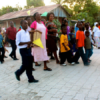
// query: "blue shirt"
[[76, 29], [1, 41]]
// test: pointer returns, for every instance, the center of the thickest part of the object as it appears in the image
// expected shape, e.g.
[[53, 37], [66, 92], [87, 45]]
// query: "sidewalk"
[[63, 83]]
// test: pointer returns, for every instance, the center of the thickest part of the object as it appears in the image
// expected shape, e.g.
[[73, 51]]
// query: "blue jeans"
[[80, 53], [89, 53]]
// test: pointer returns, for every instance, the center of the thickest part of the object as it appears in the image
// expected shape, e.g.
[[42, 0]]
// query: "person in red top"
[[80, 39], [11, 34]]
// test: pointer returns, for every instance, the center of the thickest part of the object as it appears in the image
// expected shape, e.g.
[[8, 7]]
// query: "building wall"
[[6, 24]]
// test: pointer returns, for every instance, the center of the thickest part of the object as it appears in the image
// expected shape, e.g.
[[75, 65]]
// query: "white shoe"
[[73, 63], [64, 64]]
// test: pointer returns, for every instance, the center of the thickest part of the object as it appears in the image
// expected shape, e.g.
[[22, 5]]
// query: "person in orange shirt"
[[65, 52], [80, 39]]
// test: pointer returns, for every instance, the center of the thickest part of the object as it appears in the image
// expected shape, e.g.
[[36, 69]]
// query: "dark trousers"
[[88, 53], [2, 52], [27, 63], [80, 53], [13, 45], [64, 56]]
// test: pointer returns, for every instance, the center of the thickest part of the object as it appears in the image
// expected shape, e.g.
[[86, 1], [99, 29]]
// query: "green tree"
[[7, 9], [57, 1], [35, 3]]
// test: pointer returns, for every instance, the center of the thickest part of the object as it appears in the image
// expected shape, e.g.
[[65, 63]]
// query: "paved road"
[[63, 83]]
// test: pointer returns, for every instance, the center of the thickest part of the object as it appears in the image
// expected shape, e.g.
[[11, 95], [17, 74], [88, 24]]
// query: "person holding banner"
[[23, 42], [40, 53]]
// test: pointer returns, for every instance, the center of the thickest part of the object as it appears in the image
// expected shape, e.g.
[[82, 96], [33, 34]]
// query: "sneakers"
[[17, 76], [76, 62], [73, 63], [64, 64]]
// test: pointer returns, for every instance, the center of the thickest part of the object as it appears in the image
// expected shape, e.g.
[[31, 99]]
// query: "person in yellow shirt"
[[65, 52]]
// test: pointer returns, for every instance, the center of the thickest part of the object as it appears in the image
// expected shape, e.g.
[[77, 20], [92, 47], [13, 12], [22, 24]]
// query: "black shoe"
[[52, 58], [11, 56], [87, 64], [2, 62], [17, 76], [76, 62], [15, 59], [38, 65], [33, 81]]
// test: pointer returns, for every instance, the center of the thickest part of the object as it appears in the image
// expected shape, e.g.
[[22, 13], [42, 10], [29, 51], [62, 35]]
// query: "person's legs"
[[81, 52], [29, 68], [62, 58], [87, 54], [45, 67], [27, 61], [77, 56], [10, 41], [2, 54], [13, 45], [14, 49], [90, 53], [55, 55], [68, 55]]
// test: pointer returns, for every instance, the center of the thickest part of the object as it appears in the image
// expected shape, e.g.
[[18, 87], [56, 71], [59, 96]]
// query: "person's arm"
[[7, 33], [64, 46]]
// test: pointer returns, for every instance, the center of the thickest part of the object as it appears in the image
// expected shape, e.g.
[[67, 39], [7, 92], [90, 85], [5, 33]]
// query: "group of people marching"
[[72, 43]]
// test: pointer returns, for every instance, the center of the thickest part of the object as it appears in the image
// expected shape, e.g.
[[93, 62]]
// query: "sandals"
[[48, 69], [33, 69], [38, 65]]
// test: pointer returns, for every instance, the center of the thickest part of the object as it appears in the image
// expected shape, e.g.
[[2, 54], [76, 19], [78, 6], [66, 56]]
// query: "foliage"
[[57, 1], [35, 3], [84, 9], [57, 23], [7, 9]]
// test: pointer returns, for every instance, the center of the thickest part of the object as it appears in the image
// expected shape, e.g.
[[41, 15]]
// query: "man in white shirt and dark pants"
[[23, 42]]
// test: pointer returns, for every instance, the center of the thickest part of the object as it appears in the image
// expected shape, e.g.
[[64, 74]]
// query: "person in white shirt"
[[23, 43], [29, 29], [96, 35]]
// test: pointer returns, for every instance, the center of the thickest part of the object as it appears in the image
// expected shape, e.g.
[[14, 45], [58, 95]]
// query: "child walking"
[[80, 38], [65, 52], [90, 36], [88, 46]]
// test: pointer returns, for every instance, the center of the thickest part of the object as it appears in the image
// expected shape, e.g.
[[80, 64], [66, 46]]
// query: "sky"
[[21, 3]]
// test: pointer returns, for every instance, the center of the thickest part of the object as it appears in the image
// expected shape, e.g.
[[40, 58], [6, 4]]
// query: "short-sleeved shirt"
[[22, 36], [72, 38], [11, 32], [87, 43], [1, 41], [90, 35], [64, 39], [81, 38]]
